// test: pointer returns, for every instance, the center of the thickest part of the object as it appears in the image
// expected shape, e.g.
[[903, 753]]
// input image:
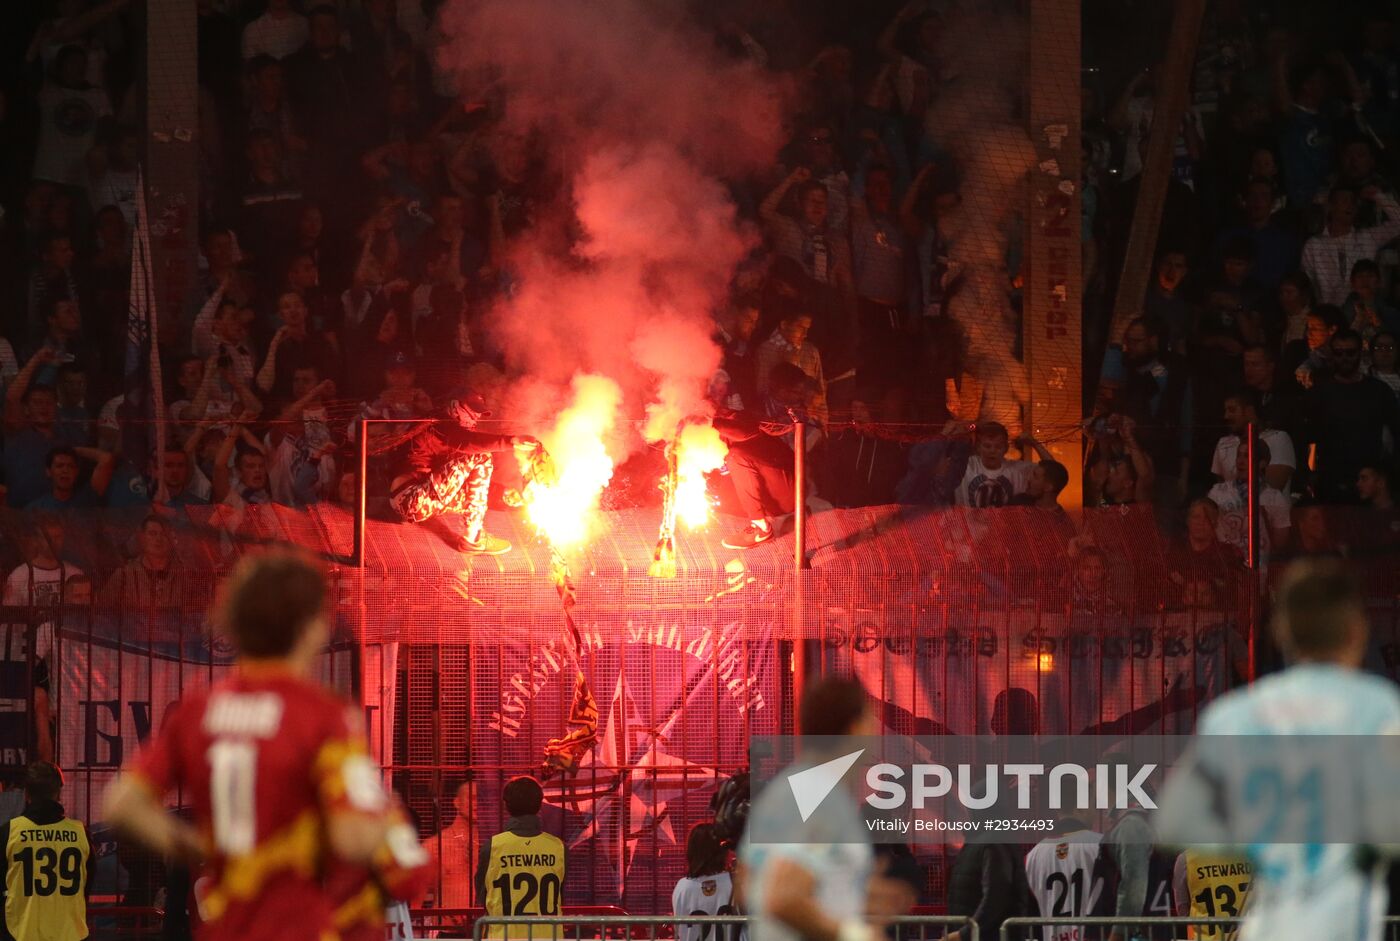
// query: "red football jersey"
[[263, 758], [399, 873]]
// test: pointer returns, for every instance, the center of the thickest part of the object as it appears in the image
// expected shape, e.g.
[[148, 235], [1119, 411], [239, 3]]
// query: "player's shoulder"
[[1372, 702], [188, 711], [1377, 700]]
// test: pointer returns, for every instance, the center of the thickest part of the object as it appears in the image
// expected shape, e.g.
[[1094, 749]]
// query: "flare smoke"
[[976, 115], [638, 117]]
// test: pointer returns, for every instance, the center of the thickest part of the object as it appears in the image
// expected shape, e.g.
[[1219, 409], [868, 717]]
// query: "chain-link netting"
[[976, 621]]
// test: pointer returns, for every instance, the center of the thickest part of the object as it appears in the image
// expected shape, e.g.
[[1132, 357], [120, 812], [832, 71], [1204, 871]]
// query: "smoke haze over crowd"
[[635, 114]]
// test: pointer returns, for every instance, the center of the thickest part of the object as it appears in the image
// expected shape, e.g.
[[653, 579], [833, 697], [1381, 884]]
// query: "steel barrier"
[[1093, 921], [1392, 925], [457, 922], [656, 927], [905, 925]]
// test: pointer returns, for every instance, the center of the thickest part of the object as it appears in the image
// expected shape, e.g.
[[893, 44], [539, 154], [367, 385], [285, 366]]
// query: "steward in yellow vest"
[[47, 865], [521, 870]]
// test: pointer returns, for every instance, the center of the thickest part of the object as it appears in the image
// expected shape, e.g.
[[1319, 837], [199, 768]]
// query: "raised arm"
[[768, 210], [267, 376], [14, 395], [202, 341], [131, 808], [294, 410], [221, 481], [252, 405], [106, 462], [200, 404], [1029, 441]]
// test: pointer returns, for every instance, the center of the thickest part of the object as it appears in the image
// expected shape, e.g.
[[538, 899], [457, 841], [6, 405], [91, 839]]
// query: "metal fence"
[[655, 927], [953, 620], [1031, 929]]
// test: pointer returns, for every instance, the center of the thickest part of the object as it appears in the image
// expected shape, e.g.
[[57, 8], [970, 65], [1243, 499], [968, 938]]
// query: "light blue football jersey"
[[834, 845], [1289, 806]]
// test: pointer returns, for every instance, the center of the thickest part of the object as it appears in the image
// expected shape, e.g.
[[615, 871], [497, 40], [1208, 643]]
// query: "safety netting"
[[994, 621]]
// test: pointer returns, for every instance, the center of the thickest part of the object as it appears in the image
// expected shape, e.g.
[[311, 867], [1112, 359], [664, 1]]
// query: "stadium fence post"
[[357, 551], [799, 512], [1252, 521]]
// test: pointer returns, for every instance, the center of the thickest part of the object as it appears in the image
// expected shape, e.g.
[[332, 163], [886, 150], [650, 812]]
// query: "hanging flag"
[[144, 406], [564, 754]]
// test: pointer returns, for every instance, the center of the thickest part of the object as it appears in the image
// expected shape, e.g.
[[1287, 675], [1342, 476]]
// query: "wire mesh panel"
[[956, 621]]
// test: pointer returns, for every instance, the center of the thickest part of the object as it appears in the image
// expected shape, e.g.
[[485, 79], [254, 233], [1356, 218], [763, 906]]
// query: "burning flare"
[[699, 450], [696, 450], [563, 485]]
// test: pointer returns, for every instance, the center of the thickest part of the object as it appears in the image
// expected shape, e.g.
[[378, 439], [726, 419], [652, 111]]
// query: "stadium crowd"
[[352, 264], [354, 213]]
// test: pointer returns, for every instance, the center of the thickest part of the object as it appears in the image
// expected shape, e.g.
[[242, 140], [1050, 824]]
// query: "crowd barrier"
[[1158, 928], [459, 922], [1030, 929], [657, 927]]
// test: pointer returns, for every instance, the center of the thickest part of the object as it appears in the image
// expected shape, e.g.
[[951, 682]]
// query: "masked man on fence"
[[761, 459], [447, 468]]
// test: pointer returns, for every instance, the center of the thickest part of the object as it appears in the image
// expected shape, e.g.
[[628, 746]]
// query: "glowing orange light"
[[1045, 662], [562, 489], [699, 450]]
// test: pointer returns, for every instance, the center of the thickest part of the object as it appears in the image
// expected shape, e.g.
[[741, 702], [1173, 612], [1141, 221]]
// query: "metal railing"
[[656, 927], [1033, 926], [457, 922], [905, 925]]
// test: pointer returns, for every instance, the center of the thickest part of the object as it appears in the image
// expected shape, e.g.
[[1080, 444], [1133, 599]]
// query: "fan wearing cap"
[[448, 470]]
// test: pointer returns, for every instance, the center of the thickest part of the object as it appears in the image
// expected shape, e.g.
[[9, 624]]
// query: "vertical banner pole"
[[1054, 291]]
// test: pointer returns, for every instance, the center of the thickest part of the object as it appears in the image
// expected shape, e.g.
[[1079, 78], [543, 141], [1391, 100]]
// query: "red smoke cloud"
[[640, 117]]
